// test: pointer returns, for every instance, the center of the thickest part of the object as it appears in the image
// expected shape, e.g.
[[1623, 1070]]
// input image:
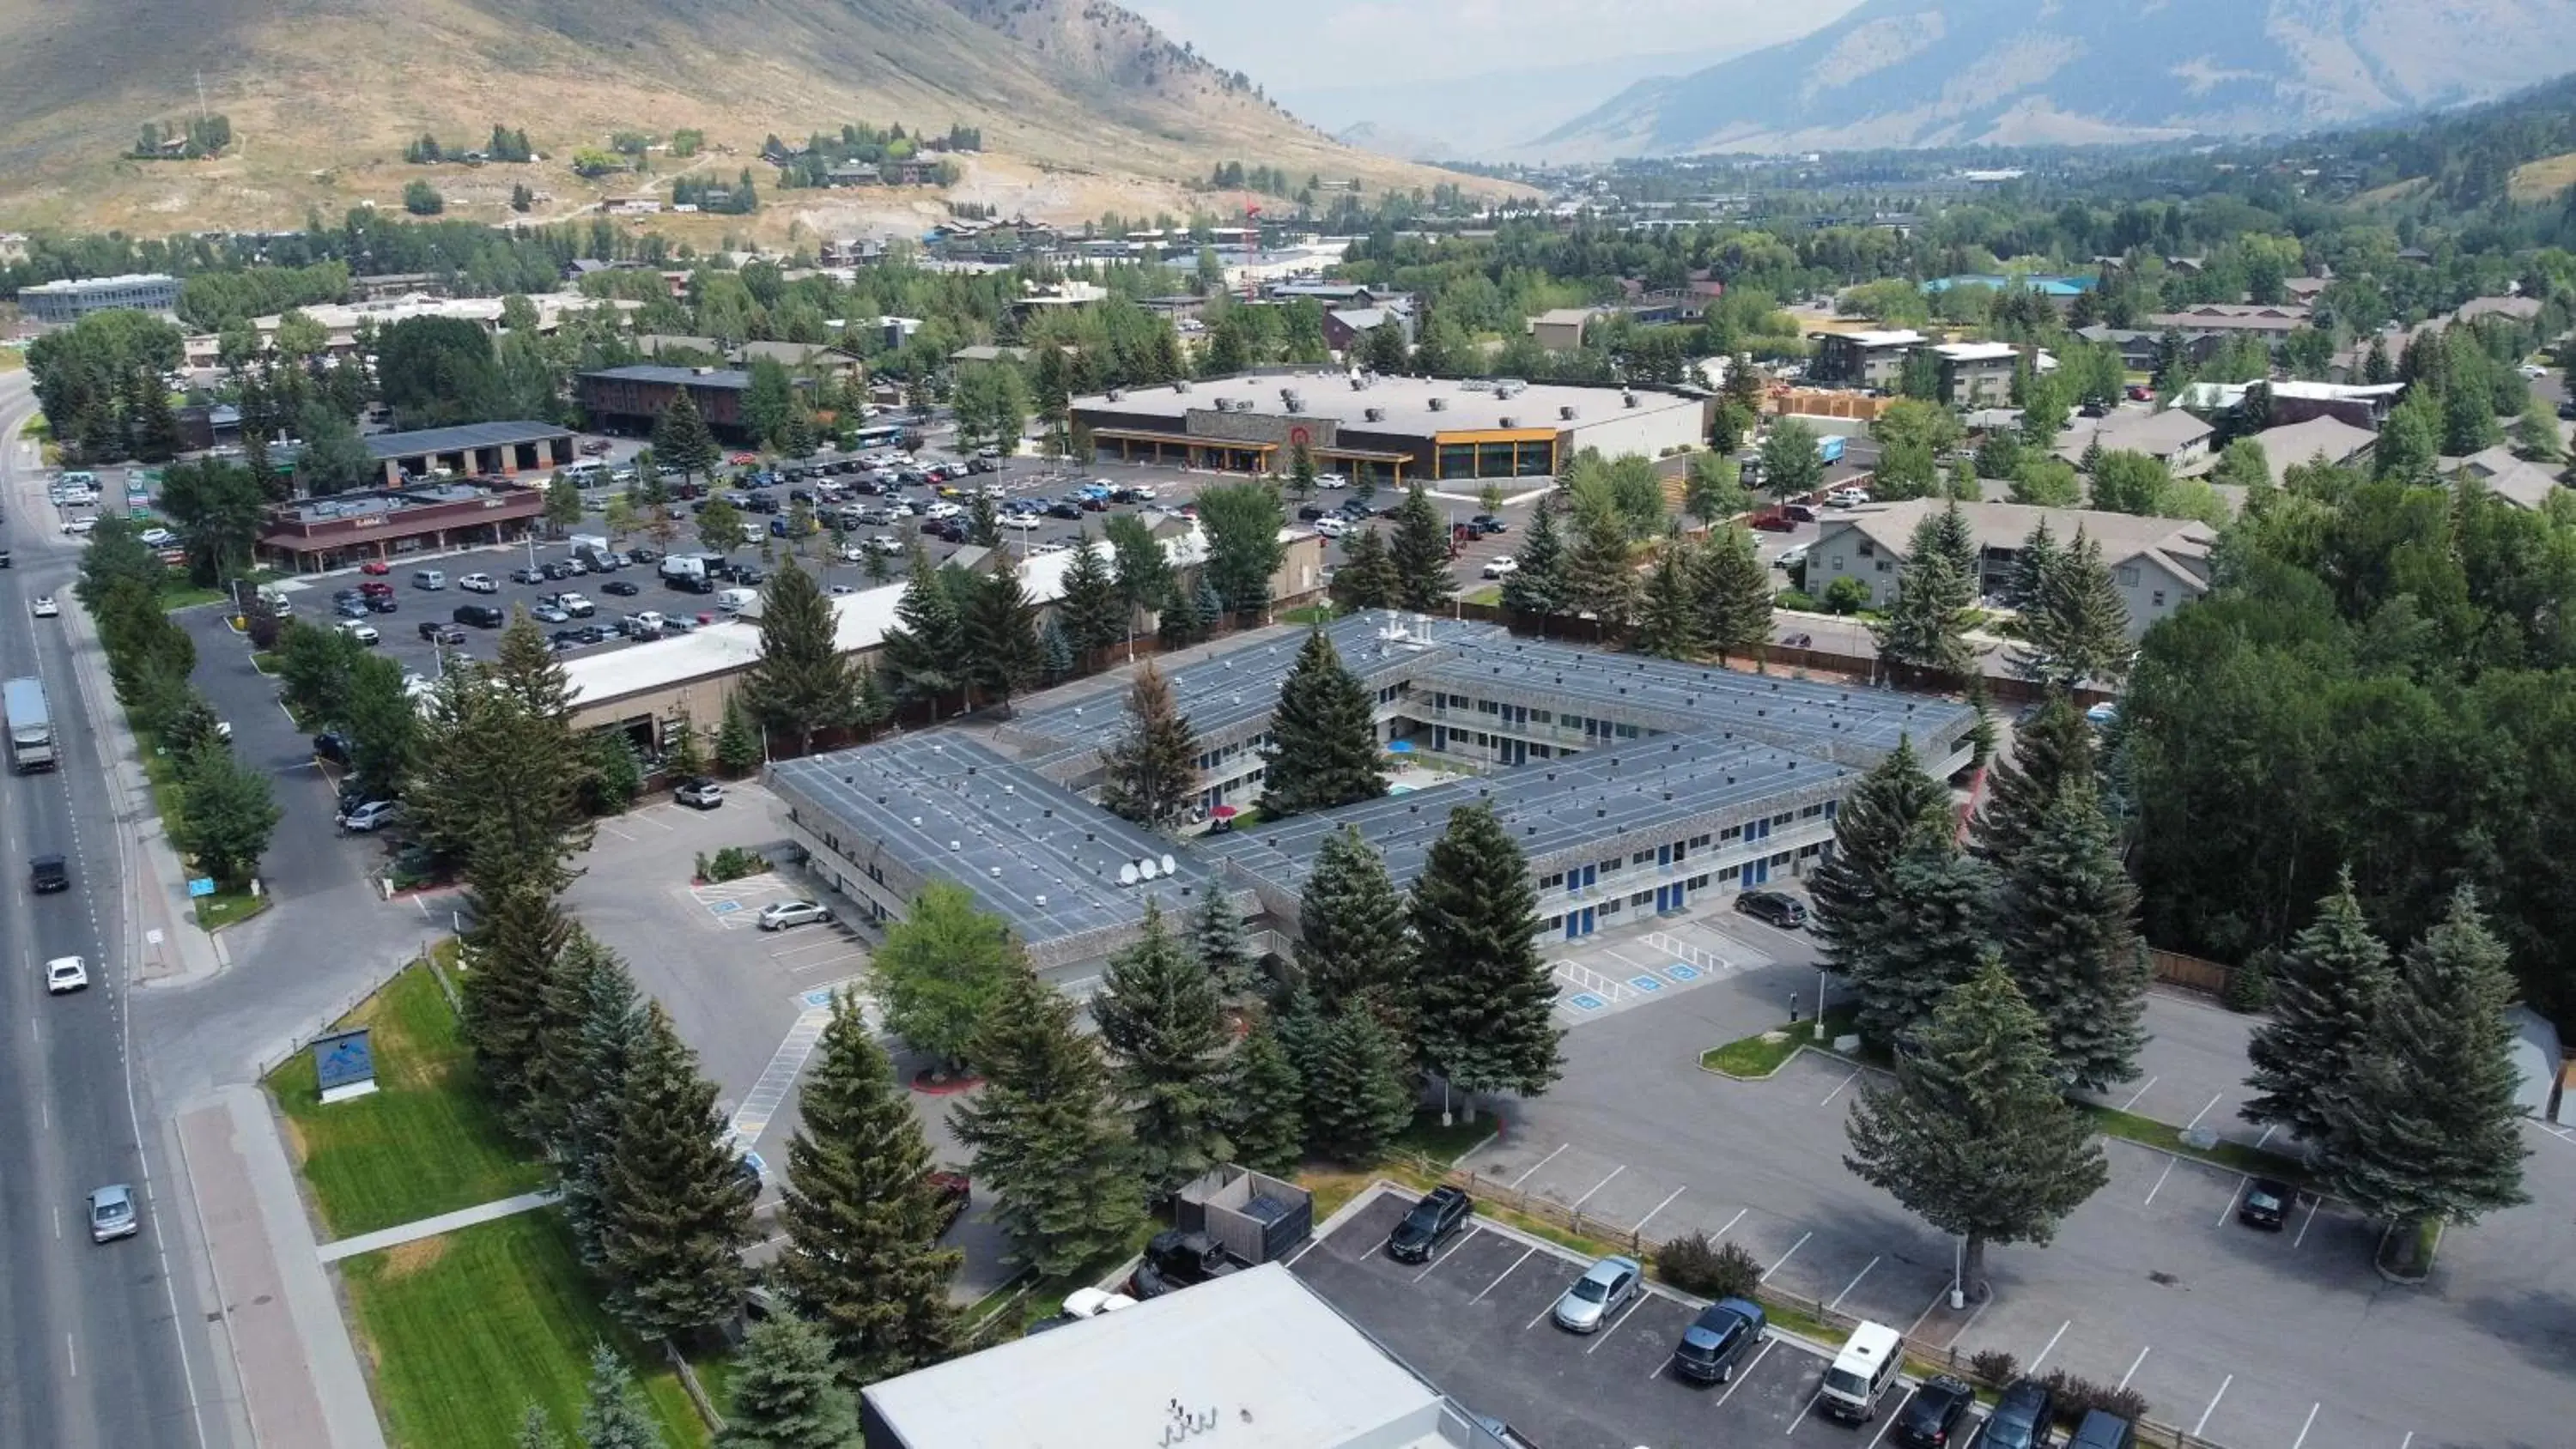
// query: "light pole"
[[1958, 1270]]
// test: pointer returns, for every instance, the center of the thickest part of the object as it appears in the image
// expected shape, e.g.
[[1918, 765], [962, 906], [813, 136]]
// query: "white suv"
[[479, 584]]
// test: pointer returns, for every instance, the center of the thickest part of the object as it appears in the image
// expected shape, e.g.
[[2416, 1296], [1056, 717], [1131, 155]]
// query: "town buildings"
[[2156, 564], [68, 302]]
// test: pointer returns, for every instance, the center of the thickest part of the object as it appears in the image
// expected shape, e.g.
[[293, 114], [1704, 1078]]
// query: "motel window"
[[1811, 812], [1641, 897], [1697, 883], [1699, 842], [1783, 818], [1810, 852], [1781, 859], [1732, 832], [1613, 906], [1641, 857], [1540, 717], [1836, 563], [1551, 882]]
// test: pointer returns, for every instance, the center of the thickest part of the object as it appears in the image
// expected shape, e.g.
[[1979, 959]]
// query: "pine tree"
[[802, 683], [2066, 916], [1152, 774], [786, 1394], [925, 653], [536, 1431], [1482, 1001], [1047, 1135], [1181, 623], [1734, 595], [2031, 566], [1891, 803], [512, 949], [1093, 615], [862, 1261], [502, 771], [617, 1415], [1933, 934], [1420, 553], [737, 742], [1055, 652], [1267, 1120], [1367, 577], [1351, 925], [2052, 753], [1323, 747], [684, 754], [2427, 1128], [1668, 624], [1926, 627], [2326, 989], [1975, 1137], [1359, 1091], [2080, 630], [1599, 578], [1537, 587], [1218, 939], [681, 441], [1949, 533], [594, 1017], [1164, 1029], [678, 1207], [1001, 627]]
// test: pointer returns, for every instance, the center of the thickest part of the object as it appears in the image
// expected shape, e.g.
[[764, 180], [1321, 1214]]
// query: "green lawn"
[[465, 1330], [1489, 594], [1308, 614], [1444, 1145], [2165, 1136], [226, 908], [426, 1142], [1763, 1053]]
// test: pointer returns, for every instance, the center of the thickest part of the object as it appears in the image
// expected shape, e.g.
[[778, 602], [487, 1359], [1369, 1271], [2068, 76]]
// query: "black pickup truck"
[[1175, 1260]]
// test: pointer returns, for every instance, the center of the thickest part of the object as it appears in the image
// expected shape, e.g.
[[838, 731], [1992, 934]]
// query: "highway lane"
[[93, 1352]]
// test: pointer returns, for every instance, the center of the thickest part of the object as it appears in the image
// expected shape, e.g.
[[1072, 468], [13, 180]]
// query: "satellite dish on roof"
[[1147, 869], [1127, 875], [1169, 868]]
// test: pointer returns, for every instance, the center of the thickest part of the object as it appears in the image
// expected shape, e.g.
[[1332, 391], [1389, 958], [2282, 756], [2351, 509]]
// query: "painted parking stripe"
[[1659, 1207], [1596, 1187], [1535, 1166], [2314, 1203], [1785, 1257], [1838, 1088], [2160, 1182], [1499, 1277], [2203, 1426], [2310, 1424], [1607, 1329], [1744, 1373], [2133, 1366], [2051, 1347], [2134, 1096], [1854, 1283], [2214, 1099]]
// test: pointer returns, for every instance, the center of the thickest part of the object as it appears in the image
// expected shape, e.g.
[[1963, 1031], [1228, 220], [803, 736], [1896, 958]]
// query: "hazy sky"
[[1324, 43]]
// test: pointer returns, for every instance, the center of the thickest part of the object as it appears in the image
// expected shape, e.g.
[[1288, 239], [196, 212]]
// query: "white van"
[[1862, 1373], [430, 579], [587, 472], [734, 601]]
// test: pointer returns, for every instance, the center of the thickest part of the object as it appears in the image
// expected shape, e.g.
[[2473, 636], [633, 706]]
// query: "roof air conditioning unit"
[[1295, 403], [1288, 396], [1375, 415], [1566, 413], [1180, 384], [1115, 394], [1509, 422], [1628, 398], [1440, 404]]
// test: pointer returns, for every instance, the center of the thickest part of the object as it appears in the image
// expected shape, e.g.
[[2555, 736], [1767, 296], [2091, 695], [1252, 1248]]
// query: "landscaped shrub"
[[731, 863], [1995, 1366], [2249, 986], [1712, 1270], [2076, 1396], [1794, 599]]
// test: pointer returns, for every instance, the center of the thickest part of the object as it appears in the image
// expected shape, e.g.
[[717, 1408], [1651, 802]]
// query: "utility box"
[[1252, 1215]]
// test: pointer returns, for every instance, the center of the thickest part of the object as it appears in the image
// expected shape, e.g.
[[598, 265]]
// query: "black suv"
[[1717, 1341], [47, 874], [1432, 1220], [1773, 908], [481, 616], [2021, 1417], [1934, 1413]]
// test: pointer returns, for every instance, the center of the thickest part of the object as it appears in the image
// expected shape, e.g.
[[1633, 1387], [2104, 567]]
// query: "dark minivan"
[[2103, 1429], [2021, 1417], [1715, 1344]]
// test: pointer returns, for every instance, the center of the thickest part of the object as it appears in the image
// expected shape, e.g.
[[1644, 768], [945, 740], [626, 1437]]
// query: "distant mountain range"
[[1903, 73]]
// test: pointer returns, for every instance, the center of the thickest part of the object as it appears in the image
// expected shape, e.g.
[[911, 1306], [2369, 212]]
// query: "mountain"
[[2033, 72], [1084, 107], [1477, 117]]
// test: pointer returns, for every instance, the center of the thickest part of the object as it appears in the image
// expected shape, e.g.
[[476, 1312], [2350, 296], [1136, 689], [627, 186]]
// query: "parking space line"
[[1854, 1283], [1973, 1315], [2196, 1429], [1535, 1166], [1507, 1272], [2134, 1096], [2314, 1203], [1938, 1299], [2243, 1181], [1768, 1344], [1785, 1257], [2133, 1365], [1838, 1088], [1875, 1439], [1291, 1260], [2310, 1424], [1804, 1410], [1437, 1258], [2214, 1099], [1544, 1310], [1612, 1327], [1659, 1207], [1596, 1187], [613, 830], [2160, 1181], [1731, 1222], [2051, 1347]]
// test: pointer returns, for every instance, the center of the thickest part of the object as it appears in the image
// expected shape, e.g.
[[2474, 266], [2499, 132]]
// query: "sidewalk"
[[301, 1382], [411, 1232]]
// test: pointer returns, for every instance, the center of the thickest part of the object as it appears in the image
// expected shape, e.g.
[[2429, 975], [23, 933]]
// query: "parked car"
[[481, 616], [2021, 1418], [549, 614], [364, 633], [2266, 1204], [1773, 908], [1790, 557], [699, 793], [1775, 522], [1847, 496], [479, 584], [441, 633], [621, 588], [66, 973], [575, 605], [1719, 1340], [333, 746], [1935, 1413], [2102, 1429], [376, 566], [1604, 1288], [367, 818], [1488, 523], [1333, 525], [1501, 566], [113, 1214], [1175, 1260], [780, 915], [1440, 1215]]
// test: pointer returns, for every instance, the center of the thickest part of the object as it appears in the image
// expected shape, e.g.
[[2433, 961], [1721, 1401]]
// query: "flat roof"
[[1271, 1360], [77, 285], [1037, 855], [724, 378], [1404, 401], [462, 436], [390, 502], [1975, 351]]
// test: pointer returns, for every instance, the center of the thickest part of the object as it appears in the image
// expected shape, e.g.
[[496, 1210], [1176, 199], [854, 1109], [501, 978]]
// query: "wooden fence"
[[2173, 968]]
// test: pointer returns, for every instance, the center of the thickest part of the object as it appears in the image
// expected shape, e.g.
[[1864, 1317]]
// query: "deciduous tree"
[[940, 970]]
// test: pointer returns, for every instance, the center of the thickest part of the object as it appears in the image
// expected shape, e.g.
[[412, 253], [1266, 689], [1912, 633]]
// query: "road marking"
[[1784, 1258], [1937, 1300], [2203, 1112], [2408, 1442], [1535, 1166], [1854, 1283], [2033, 1370], [1610, 1328], [1803, 1411], [613, 830], [73, 1349], [1291, 1260], [2266, 1137], [2314, 1203], [1874, 1439], [2160, 1181], [1544, 1311], [1659, 1207], [2242, 1183], [58, 1224], [2213, 1405], [1838, 1088], [1737, 1381], [2134, 1096], [2133, 1366], [1973, 1315], [1507, 1272], [1437, 1258], [1731, 1222], [770, 1090], [2310, 1424], [1596, 1187]]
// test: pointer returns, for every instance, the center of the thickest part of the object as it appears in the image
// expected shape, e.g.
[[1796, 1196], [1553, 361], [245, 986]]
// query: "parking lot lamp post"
[[1958, 1267], [1820, 1001]]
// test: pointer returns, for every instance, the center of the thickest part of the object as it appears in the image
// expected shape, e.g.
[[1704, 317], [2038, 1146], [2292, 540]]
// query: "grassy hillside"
[[322, 97]]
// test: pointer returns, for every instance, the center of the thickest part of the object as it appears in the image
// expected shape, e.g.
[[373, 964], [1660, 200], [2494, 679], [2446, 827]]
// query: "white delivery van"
[[734, 601], [685, 567], [1862, 1373], [586, 472]]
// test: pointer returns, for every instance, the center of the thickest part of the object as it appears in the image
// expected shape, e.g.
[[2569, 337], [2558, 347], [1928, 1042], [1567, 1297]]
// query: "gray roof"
[[462, 436], [2135, 430], [1034, 853], [724, 378], [1406, 402]]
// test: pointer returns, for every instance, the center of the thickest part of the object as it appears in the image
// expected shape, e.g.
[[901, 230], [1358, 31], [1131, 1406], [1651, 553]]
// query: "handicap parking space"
[[1601, 976]]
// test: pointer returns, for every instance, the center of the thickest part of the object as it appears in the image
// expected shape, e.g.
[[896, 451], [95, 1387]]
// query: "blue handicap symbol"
[[1646, 983], [724, 908], [819, 997], [1679, 972], [1585, 1001]]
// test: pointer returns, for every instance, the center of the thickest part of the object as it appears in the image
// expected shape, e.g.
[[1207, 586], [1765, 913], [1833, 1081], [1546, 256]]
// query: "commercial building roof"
[[1900, 337], [1408, 405], [1975, 351], [461, 437], [389, 502], [724, 378], [82, 286], [1255, 1360]]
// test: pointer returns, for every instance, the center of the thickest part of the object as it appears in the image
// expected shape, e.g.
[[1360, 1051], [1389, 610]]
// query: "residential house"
[[850, 173], [2139, 347], [2173, 437], [1863, 359], [2328, 439], [2523, 484], [2157, 564], [1346, 328], [1560, 329], [1976, 374], [2272, 323]]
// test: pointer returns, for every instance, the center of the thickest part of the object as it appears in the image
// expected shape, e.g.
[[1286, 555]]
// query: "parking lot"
[[1474, 1321]]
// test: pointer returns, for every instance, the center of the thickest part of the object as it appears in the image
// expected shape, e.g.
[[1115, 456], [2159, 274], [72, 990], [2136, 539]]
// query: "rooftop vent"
[[996, 871], [1375, 415], [1440, 404], [1566, 412], [956, 845], [1628, 399], [1041, 900], [1509, 421], [1115, 394], [916, 821], [1180, 384]]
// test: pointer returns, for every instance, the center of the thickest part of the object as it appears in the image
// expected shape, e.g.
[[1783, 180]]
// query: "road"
[[94, 1352]]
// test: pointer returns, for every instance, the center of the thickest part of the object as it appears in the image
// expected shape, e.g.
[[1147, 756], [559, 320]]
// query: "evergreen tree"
[[924, 655], [1975, 1137], [1598, 577], [1164, 1029], [1926, 627], [617, 1415], [1359, 1093], [862, 1260], [1301, 472], [1267, 1120], [785, 1392], [1885, 809], [536, 1431], [1323, 747], [1093, 615], [1151, 775], [2026, 587], [502, 771], [678, 1208], [2080, 629], [1949, 534], [594, 1018], [802, 683], [2428, 1128], [2066, 916], [1734, 595], [1420, 553], [1934, 920], [1001, 627], [1218, 938], [1180, 622], [1367, 577], [1047, 1135], [2051, 753], [737, 742], [2326, 989], [1537, 587], [1668, 624], [1482, 1002], [512, 950], [681, 442], [1351, 924], [1055, 652]]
